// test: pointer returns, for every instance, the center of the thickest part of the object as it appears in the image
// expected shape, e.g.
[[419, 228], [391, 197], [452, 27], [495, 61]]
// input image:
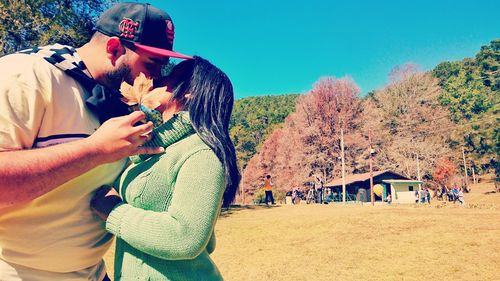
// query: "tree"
[[471, 92], [309, 141], [332, 105], [409, 124], [253, 119], [471, 87], [29, 23], [444, 172]]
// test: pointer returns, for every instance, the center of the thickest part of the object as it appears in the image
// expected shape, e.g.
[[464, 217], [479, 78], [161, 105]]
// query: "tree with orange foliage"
[[444, 172], [309, 141]]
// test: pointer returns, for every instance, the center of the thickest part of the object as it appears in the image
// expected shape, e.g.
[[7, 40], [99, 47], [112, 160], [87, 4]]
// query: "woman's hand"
[[104, 200]]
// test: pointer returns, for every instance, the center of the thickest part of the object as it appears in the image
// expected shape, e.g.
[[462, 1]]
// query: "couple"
[[53, 157]]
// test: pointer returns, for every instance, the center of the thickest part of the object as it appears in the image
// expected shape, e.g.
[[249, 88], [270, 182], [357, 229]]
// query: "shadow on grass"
[[226, 212]]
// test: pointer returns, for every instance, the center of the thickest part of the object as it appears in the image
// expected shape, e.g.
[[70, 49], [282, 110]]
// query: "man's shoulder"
[[35, 59], [17, 59], [28, 68], [17, 64]]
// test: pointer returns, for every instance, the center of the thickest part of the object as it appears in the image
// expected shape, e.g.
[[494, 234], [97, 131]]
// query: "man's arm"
[[28, 174]]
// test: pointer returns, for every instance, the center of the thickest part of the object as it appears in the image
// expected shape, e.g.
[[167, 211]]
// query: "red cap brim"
[[162, 52]]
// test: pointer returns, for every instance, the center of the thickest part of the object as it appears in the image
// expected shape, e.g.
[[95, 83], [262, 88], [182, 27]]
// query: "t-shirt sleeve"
[[24, 90]]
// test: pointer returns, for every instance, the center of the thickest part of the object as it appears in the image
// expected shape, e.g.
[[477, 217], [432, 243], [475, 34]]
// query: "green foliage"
[[471, 91], [465, 97], [488, 61], [253, 119], [29, 23], [445, 70], [471, 87]]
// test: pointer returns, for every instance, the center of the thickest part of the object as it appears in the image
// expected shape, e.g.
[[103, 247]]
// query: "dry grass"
[[354, 242]]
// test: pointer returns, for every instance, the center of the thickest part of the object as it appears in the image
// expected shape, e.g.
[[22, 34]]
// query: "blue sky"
[[283, 47]]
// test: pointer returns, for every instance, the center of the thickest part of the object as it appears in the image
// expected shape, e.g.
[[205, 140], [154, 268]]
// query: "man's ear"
[[114, 49]]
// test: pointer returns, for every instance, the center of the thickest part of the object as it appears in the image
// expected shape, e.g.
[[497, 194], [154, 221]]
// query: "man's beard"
[[116, 76]]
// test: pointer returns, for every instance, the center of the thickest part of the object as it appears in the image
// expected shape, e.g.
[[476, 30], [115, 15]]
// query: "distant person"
[[465, 188], [311, 195], [318, 183], [295, 195], [268, 188], [416, 197], [328, 196], [454, 193], [449, 194], [444, 191], [422, 196], [460, 196], [428, 195]]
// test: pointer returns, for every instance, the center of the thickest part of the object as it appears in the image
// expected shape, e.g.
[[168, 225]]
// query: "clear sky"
[[283, 47]]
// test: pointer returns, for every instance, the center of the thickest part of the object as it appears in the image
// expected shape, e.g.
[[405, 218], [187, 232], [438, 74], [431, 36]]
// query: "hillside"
[[426, 115], [254, 118], [471, 92]]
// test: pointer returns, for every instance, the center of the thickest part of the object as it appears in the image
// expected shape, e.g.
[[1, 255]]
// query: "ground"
[[441, 241]]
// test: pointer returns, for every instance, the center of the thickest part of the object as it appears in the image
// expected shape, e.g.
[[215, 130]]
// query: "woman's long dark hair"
[[210, 105]]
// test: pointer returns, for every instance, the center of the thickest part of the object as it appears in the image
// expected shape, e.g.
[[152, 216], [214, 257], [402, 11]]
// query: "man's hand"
[[104, 200], [28, 174], [118, 138]]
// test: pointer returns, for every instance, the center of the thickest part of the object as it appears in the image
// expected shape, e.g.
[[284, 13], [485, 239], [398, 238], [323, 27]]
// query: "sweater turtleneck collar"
[[168, 133]]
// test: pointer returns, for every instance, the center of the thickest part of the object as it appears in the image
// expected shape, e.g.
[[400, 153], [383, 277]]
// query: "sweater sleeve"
[[184, 230], [211, 244]]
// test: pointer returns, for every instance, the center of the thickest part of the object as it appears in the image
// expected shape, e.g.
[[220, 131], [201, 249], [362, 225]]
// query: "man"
[[295, 194], [389, 198], [318, 184], [268, 189], [52, 157]]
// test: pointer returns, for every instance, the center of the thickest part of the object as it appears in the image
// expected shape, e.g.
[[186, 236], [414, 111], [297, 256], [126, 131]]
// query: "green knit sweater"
[[165, 226]]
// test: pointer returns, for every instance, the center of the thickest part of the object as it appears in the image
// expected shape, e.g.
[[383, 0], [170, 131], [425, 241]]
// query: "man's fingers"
[[135, 117], [143, 139], [150, 150], [144, 128]]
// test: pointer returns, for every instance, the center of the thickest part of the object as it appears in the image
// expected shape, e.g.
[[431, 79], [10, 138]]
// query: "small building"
[[401, 188], [403, 191]]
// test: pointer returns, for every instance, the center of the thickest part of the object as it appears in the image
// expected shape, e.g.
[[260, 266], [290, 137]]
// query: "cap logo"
[[128, 27], [170, 31]]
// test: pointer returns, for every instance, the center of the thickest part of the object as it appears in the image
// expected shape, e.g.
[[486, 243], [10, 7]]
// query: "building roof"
[[403, 181], [360, 178]]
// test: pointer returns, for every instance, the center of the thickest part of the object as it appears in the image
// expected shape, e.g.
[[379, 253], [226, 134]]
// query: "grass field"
[[442, 241]]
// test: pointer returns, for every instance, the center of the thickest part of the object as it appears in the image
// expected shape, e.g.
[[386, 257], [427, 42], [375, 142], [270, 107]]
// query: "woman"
[[171, 201]]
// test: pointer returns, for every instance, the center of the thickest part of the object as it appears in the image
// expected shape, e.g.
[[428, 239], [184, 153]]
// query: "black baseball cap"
[[141, 24]]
